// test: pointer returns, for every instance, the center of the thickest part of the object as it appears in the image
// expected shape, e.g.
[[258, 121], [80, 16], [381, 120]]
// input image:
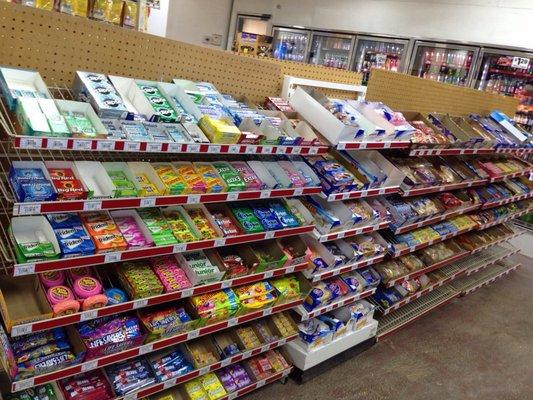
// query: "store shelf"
[[344, 268], [437, 218], [361, 193], [504, 219], [440, 296], [149, 348], [373, 145], [443, 188], [496, 242], [43, 143], [159, 201], [473, 282], [508, 200], [159, 387], [350, 232], [257, 385], [349, 299], [148, 252], [498, 178], [417, 273], [456, 152], [115, 309], [411, 249], [517, 151], [498, 254], [304, 359]]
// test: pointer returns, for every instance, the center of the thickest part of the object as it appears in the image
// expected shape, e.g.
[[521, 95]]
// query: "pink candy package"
[[170, 274], [249, 177], [292, 173], [131, 231]]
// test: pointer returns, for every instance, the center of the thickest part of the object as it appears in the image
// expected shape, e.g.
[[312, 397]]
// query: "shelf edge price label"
[[313, 150], [193, 334], [148, 202], [112, 257], [24, 269], [169, 384], [204, 370], [153, 147], [226, 284], [31, 143], [193, 199], [28, 209], [234, 148], [225, 362], [193, 148], [20, 330], [140, 303], [298, 191], [57, 144], [25, 384], [220, 242], [213, 148], [187, 293], [265, 194], [232, 196], [89, 365], [296, 150], [79, 144], [132, 146], [251, 149], [179, 248], [268, 274], [262, 382], [290, 269], [232, 322], [269, 234], [147, 348], [92, 205], [106, 145], [88, 315], [174, 147], [267, 312]]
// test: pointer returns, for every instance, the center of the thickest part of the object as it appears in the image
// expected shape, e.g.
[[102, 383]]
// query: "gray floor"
[[477, 347]]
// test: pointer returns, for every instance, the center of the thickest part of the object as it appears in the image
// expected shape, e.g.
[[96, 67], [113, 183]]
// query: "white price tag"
[[281, 149], [265, 194], [187, 293], [24, 269], [345, 196], [93, 205], [296, 150], [341, 146], [269, 234], [267, 150], [20, 330], [140, 303], [266, 312], [130, 396], [112, 257], [57, 144], [251, 149], [89, 365], [233, 396], [340, 235], [193, 148], [232, 196], [282, 342], [234, 148], [204, 370], [269, 274], [226, 284], [105, 145], [213, 149], [147, 348], [193, 334], [329, 308], [362, 145], [29, 209], [386, 145], [225, 362], [262, 382], [153, 147], [82, 144], [179, 248], [220, 242], [169, 384], [174, 147], [313, 150], [290, 269], [265, 348], [232, 322], [31, 143], [148, 202], [25, 384], [88, 315], [132, 146], [193, 199], [298, 191]]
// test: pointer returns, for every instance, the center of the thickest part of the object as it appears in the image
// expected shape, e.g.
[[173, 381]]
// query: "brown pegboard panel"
[[57, 45], [406, 92]]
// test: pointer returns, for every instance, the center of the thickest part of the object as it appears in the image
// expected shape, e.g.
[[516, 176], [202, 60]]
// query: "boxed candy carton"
[[31, 182]]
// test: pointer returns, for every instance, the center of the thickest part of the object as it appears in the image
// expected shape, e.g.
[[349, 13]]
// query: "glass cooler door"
[[375, 52], [443, 62], [331, 50], [290, 44]]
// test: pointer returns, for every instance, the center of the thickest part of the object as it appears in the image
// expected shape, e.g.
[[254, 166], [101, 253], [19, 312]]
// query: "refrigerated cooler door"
[[290, 44], [331, 50], [443, 62], [372, 52]]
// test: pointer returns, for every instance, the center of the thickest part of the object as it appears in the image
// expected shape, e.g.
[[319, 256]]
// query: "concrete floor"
[[476, 347]]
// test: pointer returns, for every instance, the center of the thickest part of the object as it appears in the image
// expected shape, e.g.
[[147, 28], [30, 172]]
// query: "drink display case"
[[290, 44], [375, 52], [331, 50], [443, 62]]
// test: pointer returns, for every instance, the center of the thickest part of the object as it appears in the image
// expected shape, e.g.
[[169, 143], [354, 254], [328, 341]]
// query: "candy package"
[[170, 365], [129, 376], [158, 226], [165, 322]]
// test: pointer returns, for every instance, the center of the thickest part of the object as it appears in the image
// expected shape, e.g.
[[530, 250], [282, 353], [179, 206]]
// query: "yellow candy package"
[[78, 8], [209, 303], [253, 290], [195, 391], [258, 301], [44, 4], [130, 14], [287, 287]]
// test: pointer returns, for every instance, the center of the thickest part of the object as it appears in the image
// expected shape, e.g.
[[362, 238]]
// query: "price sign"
[[57, 144], [88, 315], [24, 269], [520, 63], [92, 205], [148, 202], [82, 145], [105, 145], [153, 147], [28, 209], [31, 143]]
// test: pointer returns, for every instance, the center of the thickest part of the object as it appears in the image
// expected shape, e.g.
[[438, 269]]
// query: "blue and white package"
[[72, 237]]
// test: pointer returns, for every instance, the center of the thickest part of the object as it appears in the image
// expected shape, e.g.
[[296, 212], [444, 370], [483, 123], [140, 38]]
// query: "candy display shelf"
[[505, 219], [437, 218], [363, 145], [501, 240], [127, 255], [456, 152], [390, 323], [473, 282], [524, 172], [508, 200], [410, 249], [466, 266], [304, 359], [36, 326], [149, 347], [401, 279], [171, 148], [350, 232], [343, 269], [349, 299], [442, 188], [159, 387], [360, 194], [159, 201], [256, 385]]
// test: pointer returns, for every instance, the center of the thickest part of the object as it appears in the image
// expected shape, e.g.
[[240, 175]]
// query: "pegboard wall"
[[409, 93], [57, 45]]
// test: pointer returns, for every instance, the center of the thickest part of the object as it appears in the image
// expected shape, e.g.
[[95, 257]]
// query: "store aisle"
[[477, 347]]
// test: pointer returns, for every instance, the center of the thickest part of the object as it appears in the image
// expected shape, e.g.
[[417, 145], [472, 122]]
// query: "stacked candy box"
[[130, 376], [170, 363], [160, 322], [86, 386], [31, 181]]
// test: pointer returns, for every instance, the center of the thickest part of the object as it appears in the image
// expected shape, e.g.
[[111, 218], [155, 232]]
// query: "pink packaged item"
[[249, 177], [131, 231], [170, 274], [292, 173]]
